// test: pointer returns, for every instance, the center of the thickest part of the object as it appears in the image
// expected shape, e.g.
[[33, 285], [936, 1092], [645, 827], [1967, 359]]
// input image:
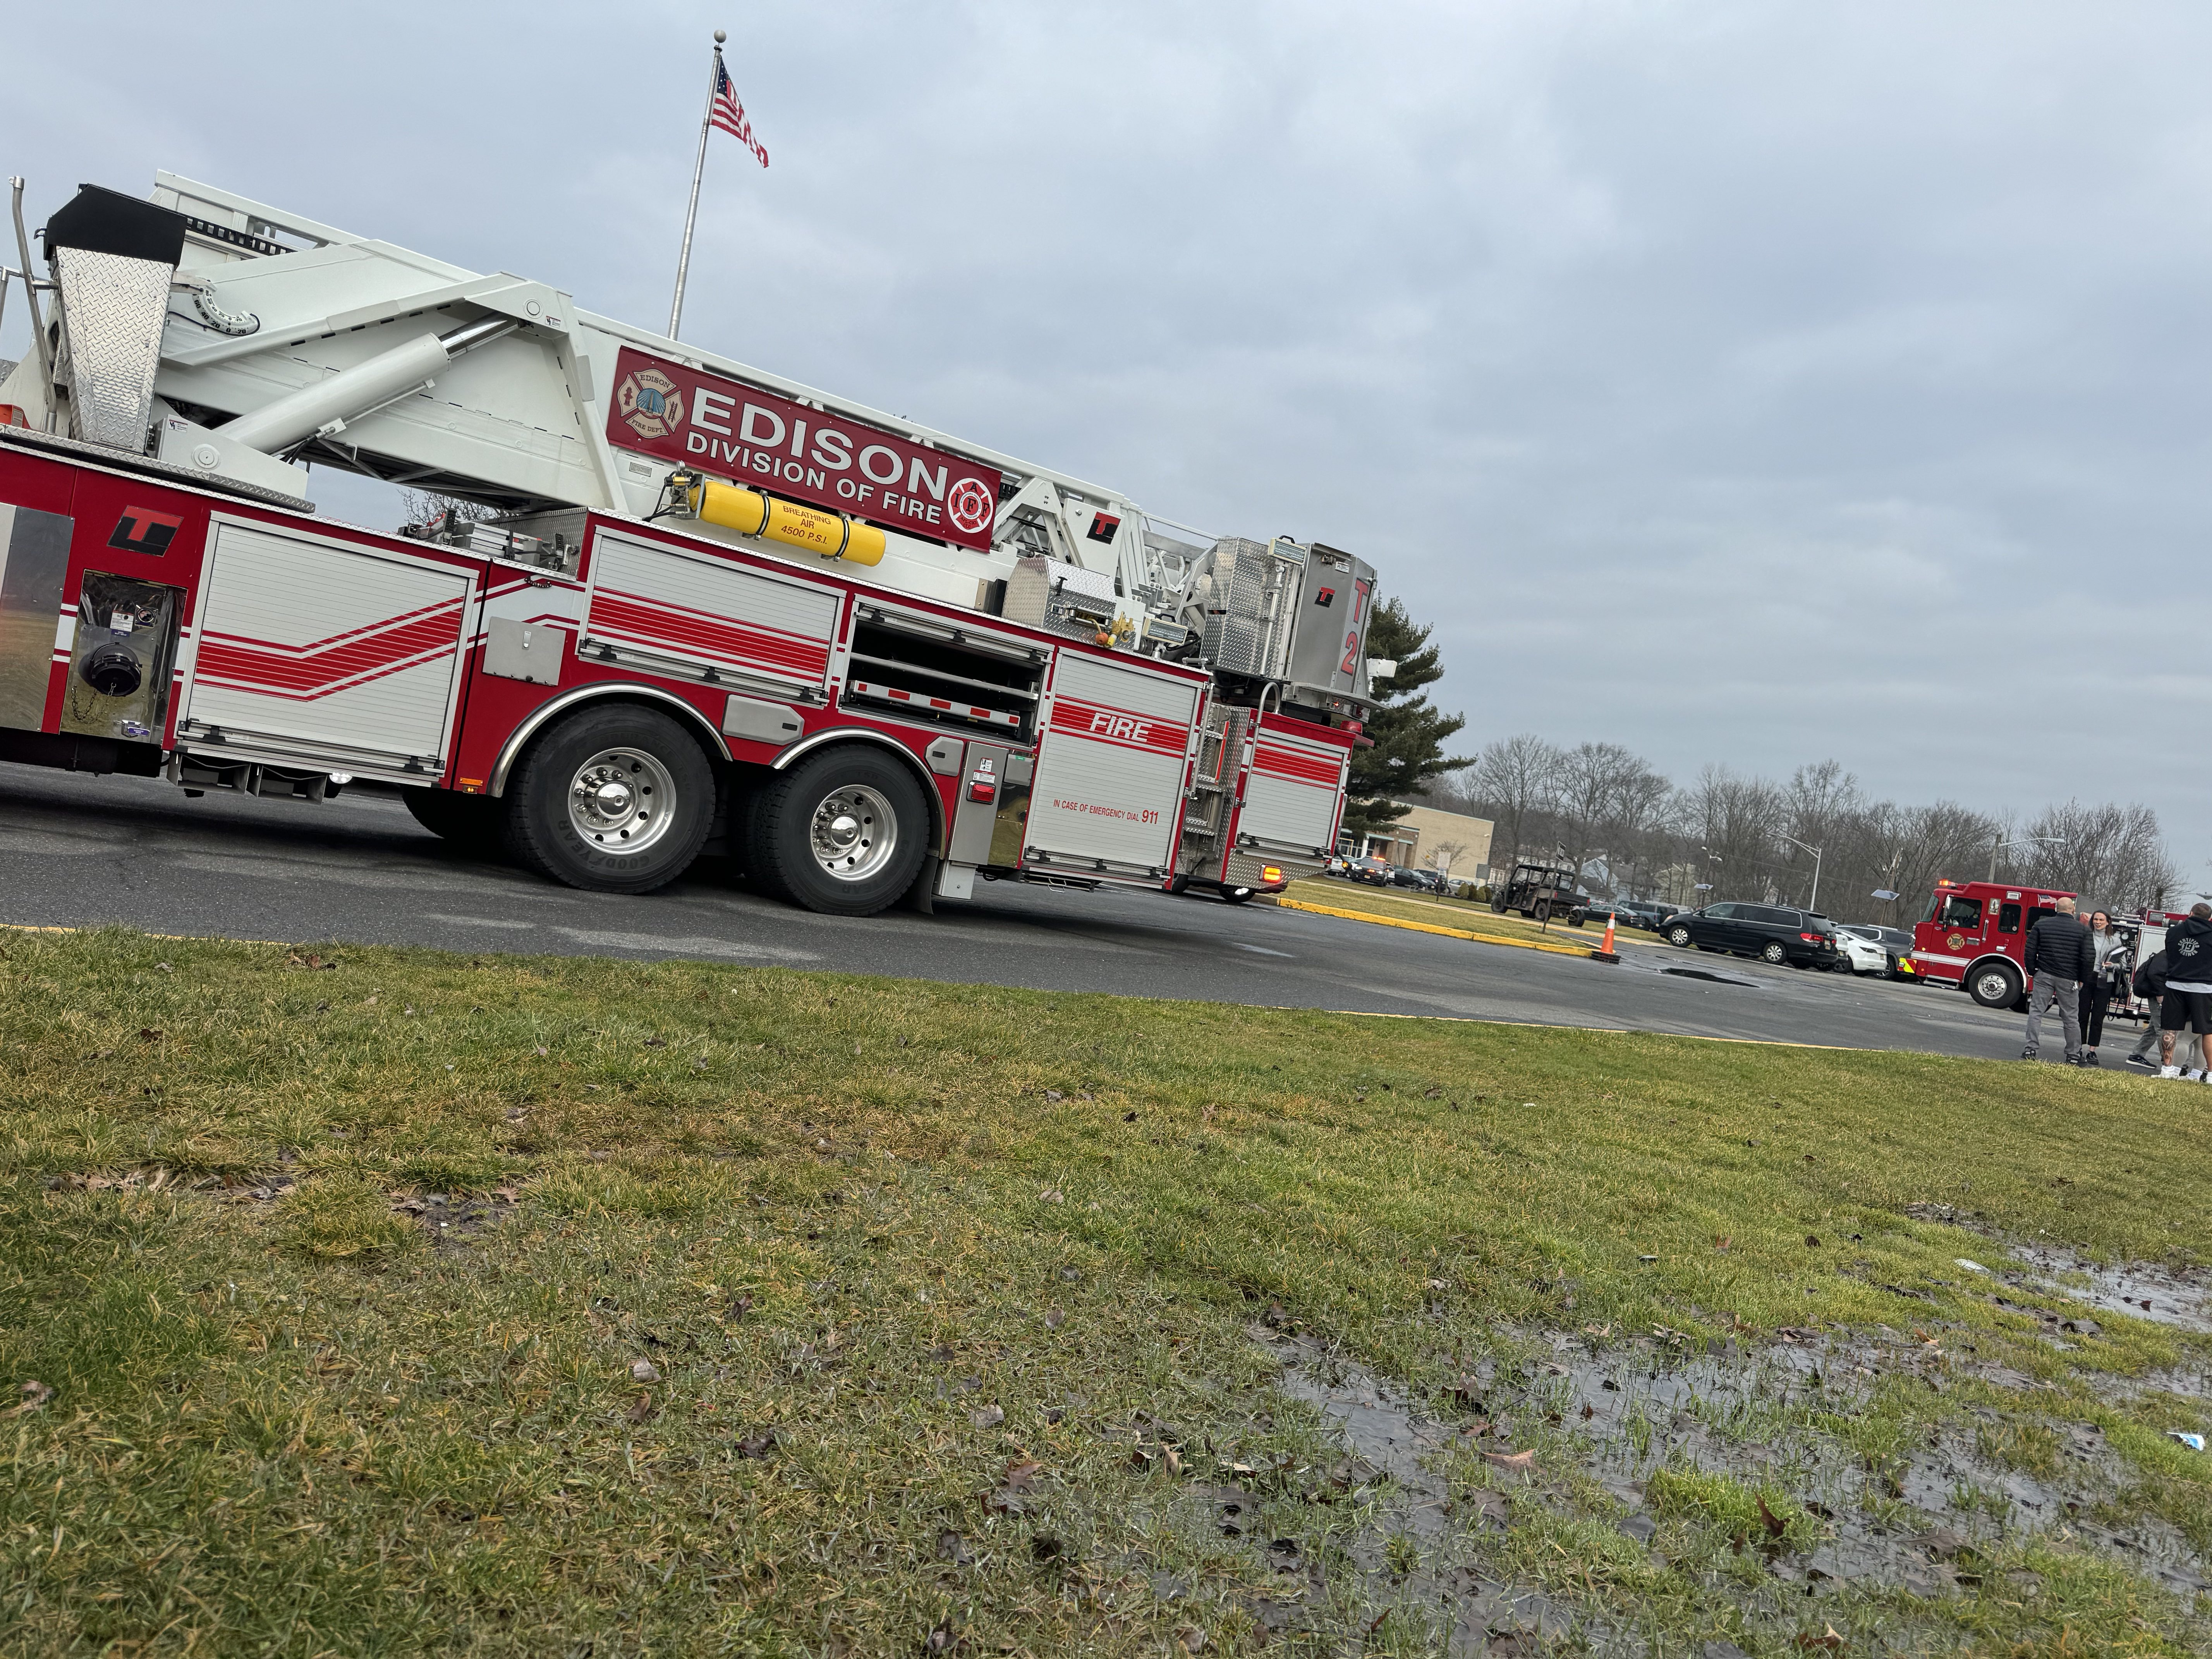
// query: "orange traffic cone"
[[1605, 951]]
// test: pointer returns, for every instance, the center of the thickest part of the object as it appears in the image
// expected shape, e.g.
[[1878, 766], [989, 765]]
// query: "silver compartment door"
[[1294, 788], [698, 616], [1110, 771], [312, 651]]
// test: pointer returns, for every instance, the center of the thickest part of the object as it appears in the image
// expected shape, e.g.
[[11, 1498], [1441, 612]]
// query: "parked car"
[[1426, 881], [1895, 943], [1857, 953], [1772, 933], [1630, 912]]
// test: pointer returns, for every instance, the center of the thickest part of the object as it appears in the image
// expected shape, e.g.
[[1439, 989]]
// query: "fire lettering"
[[1109, 723]]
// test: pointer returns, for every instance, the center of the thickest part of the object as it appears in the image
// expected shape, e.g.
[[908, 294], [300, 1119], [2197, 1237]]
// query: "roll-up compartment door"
[[1295, 788], [698, 615], [1108, 793], [323, 651]]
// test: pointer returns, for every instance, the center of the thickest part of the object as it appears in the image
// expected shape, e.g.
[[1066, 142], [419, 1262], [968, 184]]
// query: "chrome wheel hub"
[[621, 800], [852, 833]]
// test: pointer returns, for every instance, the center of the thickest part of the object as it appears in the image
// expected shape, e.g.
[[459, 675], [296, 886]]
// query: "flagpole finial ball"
[[720, 37]]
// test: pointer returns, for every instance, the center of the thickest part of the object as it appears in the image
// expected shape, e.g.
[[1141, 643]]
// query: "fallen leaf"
[[759, 1443], [1721, 1241], [655, 1043], [739, 1310], [1054, 1319], [1813, 1240], [951, 1547], [1774, 1523], [1128, 1117], [1521, 1462], [644, 1370], [35, 1394], [1191, 1639], [1829, 1641], [1052, 1195], [1053, 1094], [1022, 1473], [148, 1034], [642, 1408], [989, 1418], [940, 1640]]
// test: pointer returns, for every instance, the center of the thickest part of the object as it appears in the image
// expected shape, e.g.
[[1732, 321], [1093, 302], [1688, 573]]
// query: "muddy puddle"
[[1411, 1550], [1594, 1429], [2139, 1290]]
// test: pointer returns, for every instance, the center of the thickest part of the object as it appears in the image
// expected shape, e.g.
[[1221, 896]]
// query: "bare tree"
[[1514, 779], [1928, 842], [1732, 821], [2112, 855]]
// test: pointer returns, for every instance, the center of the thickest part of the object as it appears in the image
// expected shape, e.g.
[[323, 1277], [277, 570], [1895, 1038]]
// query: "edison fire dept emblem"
[[650, 404]]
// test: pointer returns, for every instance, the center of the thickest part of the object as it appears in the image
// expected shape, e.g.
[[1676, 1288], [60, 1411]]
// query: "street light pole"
[[2024, 840], [1813, 903]]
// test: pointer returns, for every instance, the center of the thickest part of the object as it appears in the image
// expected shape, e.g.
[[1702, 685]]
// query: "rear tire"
[[613, 799], [473, 824], [1997, 985], [842, 833]]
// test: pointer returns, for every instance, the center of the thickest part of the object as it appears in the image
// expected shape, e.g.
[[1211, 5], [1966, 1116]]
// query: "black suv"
[[1772, 933]]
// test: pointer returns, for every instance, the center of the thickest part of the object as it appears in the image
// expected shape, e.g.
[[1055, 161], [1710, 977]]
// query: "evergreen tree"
[[1409, 734]]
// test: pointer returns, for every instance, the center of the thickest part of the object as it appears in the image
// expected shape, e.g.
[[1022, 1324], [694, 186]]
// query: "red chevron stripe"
[[339, 663]]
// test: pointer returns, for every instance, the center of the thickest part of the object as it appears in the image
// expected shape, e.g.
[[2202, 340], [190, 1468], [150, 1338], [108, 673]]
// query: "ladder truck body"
[[695, 607]]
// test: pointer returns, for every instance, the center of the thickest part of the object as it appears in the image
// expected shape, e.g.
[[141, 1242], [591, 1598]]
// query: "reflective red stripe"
[[1118, 726], [656, 624], [1297, 763]]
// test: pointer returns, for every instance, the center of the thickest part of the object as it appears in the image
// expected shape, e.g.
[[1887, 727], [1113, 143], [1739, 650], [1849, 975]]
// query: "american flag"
[[729, 115]]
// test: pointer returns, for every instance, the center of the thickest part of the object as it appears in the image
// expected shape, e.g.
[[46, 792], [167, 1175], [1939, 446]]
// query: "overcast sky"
[[1737, 381]]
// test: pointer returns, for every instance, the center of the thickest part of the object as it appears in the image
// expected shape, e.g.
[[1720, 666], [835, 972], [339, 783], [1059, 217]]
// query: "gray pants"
[[2067, 994]]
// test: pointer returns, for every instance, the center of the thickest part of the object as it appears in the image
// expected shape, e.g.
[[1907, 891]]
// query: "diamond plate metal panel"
[[1248, 619], [112, 313]]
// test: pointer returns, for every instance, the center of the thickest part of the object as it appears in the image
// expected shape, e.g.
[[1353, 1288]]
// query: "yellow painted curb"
[[1428, 927]]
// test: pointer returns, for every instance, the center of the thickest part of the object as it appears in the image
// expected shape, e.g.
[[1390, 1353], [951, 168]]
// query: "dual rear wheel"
[[620, 798]]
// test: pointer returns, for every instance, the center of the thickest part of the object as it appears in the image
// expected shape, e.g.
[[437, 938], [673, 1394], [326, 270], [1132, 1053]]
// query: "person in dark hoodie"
[[2060, 956], [2188, 999]]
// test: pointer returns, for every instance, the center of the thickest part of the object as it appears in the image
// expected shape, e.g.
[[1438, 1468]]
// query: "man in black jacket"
[[2188, 987], [2059, 957]]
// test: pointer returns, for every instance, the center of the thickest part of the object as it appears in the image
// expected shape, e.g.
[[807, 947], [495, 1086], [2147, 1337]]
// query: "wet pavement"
[[86, 851]]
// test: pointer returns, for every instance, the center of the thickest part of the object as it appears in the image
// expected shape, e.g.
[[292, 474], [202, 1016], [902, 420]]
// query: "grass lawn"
[[437, 1304]]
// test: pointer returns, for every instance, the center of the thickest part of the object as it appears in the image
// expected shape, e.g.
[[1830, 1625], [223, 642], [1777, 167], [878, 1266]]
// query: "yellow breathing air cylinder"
[[817, 529]]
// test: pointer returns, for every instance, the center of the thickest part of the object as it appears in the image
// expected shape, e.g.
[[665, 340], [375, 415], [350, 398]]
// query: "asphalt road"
[[82, 851]]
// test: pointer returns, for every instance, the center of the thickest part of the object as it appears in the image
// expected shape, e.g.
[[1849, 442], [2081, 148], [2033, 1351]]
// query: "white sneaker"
[[2169, 1071], [2193, 1077]]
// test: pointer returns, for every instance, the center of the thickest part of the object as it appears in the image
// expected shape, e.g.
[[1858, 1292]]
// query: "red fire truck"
[[1975, 936], [697, 607]]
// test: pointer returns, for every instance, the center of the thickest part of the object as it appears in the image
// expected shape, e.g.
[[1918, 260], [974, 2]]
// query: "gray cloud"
[[1738, 382]]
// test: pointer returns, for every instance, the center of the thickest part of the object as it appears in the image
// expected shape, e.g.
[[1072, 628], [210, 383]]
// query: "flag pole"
[[698, 172]]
